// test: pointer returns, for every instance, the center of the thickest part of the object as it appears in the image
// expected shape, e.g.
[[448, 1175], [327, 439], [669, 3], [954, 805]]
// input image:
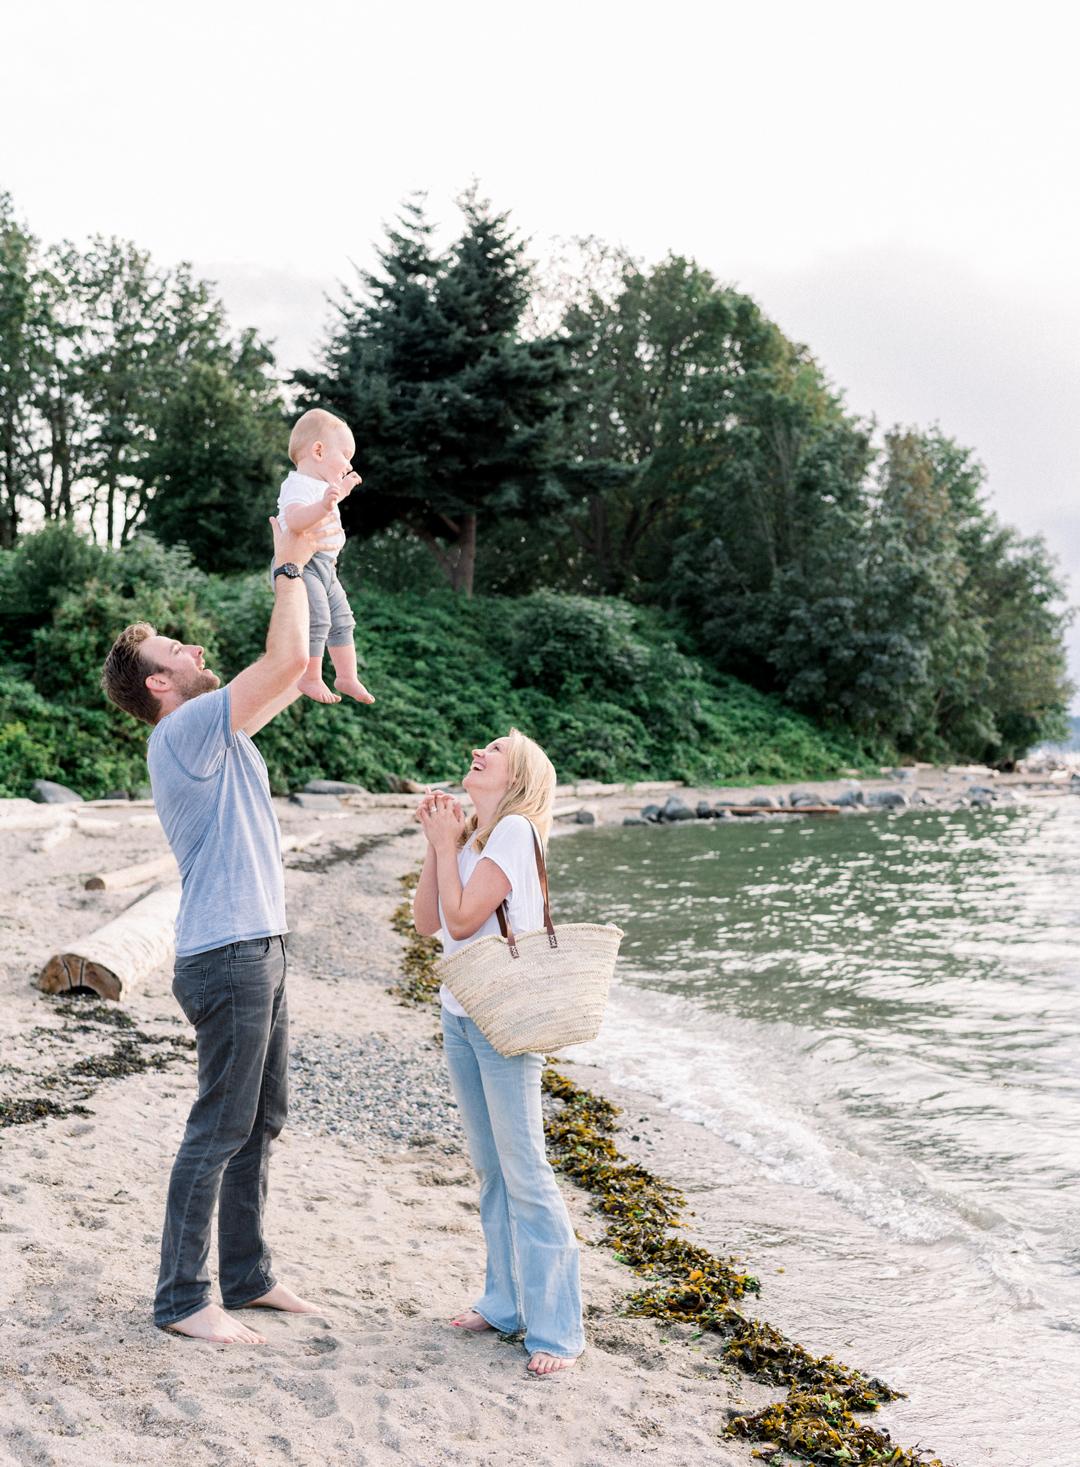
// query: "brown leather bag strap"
[[541, 871], [502, 911]]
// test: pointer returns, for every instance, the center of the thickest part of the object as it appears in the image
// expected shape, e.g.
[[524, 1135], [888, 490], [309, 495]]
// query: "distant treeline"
[[642, 439]]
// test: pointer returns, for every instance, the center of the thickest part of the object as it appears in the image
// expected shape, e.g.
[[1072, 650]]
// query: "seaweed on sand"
[[820, 1428], [689, 1285], [419, 984], [21, 1112]]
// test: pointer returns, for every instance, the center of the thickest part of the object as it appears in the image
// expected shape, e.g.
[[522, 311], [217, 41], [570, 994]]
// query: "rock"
[[851, 797], [704, 810], [805, 796], [315, 802], [887, 799], [144, 792], [677, 809], [904, 774], [635, 820], [765, 802], [585, 817], [117, 795], [982, 789], [722, 812], [650, 813], [332, 787], [48, 793]]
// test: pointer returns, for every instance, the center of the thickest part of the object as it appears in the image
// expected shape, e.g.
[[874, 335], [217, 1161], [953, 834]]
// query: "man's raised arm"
[[269, 685]]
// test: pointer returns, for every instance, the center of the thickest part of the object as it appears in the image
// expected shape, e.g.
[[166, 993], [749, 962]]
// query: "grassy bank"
[[609, 689]]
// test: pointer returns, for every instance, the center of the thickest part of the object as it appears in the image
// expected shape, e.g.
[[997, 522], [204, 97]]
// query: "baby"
[[322, 447]]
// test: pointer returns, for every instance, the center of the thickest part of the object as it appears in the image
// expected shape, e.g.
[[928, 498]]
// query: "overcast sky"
[[896, 183]]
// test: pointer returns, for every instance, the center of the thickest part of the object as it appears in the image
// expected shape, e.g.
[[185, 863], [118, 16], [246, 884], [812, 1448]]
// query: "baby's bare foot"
[[280, 1297], [469, 1319], [353, 688], [317, 689], [213, 1324], [544, 1364]]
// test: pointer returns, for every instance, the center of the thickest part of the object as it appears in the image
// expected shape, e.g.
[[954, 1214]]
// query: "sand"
[[374, 1221], [385, 1236]]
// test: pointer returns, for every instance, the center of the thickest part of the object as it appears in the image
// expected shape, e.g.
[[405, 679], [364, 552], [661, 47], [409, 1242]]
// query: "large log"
[[39, 819], [133, 875], [117, 957], [166, 865]]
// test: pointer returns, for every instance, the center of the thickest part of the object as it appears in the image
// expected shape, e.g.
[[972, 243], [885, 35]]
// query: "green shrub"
[[601, 684]]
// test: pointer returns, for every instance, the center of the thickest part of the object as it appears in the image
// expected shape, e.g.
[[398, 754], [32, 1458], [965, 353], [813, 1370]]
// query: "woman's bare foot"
[[314, 687], [469, 1319], [544, 1364], [353, 688], [213, 1324], [280, 1297]]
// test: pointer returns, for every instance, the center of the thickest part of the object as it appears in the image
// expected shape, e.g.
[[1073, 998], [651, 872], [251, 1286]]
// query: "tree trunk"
[[459, 562], [466, 556]]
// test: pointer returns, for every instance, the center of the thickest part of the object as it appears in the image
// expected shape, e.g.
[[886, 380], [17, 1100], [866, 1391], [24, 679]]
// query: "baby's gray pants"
[[331, 618]]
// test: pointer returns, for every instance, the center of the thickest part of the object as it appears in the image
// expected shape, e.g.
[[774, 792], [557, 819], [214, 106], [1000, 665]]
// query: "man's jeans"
[[235, 997], [533, 1280]]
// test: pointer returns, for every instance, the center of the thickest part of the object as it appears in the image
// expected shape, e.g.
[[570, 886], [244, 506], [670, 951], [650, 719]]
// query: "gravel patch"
[[373, 1089]]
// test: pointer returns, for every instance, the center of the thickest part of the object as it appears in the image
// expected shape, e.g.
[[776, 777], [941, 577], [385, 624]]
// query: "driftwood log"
[[117, 957], [134, 875], [782, 809]]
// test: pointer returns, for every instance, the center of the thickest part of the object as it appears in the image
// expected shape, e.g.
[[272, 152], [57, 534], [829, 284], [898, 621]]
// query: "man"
[[213, 796]]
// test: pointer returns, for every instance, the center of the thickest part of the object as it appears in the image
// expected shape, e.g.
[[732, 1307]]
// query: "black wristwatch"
[[288, 569]]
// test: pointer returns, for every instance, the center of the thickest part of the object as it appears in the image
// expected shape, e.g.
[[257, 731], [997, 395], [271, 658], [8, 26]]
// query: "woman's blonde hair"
[[531, 791]]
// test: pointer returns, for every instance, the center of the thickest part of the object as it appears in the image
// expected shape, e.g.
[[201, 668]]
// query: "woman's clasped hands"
[[441, 817]]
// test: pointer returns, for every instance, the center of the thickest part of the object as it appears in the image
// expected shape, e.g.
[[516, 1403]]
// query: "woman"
[[471, 867]]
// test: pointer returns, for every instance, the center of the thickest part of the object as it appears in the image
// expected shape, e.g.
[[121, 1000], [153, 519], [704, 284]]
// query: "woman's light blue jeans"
[[533, 1277]]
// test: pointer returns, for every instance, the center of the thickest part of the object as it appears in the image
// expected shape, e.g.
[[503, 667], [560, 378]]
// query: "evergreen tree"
[[455, 416], [217, 456]]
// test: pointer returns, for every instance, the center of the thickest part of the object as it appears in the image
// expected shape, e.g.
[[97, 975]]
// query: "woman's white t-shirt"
[[510, 846]]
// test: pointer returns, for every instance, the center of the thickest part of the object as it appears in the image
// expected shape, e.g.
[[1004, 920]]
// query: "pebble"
[[372, 1089]]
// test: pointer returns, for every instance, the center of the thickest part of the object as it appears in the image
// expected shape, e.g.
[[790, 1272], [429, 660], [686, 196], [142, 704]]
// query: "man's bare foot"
[[469, 1319], [544, 1364], [213, 1324], [280, 1297], [314, 687], [353, 688]]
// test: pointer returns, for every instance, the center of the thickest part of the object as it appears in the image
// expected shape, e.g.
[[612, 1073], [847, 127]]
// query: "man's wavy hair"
[[531, 791], [125, 672]]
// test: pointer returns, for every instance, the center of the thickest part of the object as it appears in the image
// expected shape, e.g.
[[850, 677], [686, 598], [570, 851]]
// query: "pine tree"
[[455, 416]]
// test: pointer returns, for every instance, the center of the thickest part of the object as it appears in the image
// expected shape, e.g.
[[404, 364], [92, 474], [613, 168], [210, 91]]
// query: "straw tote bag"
[[541, 990]]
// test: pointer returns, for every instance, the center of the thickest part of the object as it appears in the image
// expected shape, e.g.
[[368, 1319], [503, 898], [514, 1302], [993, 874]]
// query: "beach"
[[379, 1228], [372, 1211]]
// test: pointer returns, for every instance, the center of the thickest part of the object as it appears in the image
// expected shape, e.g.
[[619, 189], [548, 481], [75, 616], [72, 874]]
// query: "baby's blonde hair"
[[312, 428], [531, 791]]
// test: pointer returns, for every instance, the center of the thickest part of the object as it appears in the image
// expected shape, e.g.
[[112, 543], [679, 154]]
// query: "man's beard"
[[190, 684]]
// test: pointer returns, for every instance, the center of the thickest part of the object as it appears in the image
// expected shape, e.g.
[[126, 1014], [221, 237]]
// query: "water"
[[877, 1021]]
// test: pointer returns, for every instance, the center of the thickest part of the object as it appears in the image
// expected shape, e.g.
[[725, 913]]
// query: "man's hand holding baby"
[[298, 546]]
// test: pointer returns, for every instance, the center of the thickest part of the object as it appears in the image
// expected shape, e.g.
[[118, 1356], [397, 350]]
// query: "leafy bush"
[[602, 685]]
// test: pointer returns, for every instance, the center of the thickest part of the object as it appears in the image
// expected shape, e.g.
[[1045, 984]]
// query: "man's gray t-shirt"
[[213, 797]]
